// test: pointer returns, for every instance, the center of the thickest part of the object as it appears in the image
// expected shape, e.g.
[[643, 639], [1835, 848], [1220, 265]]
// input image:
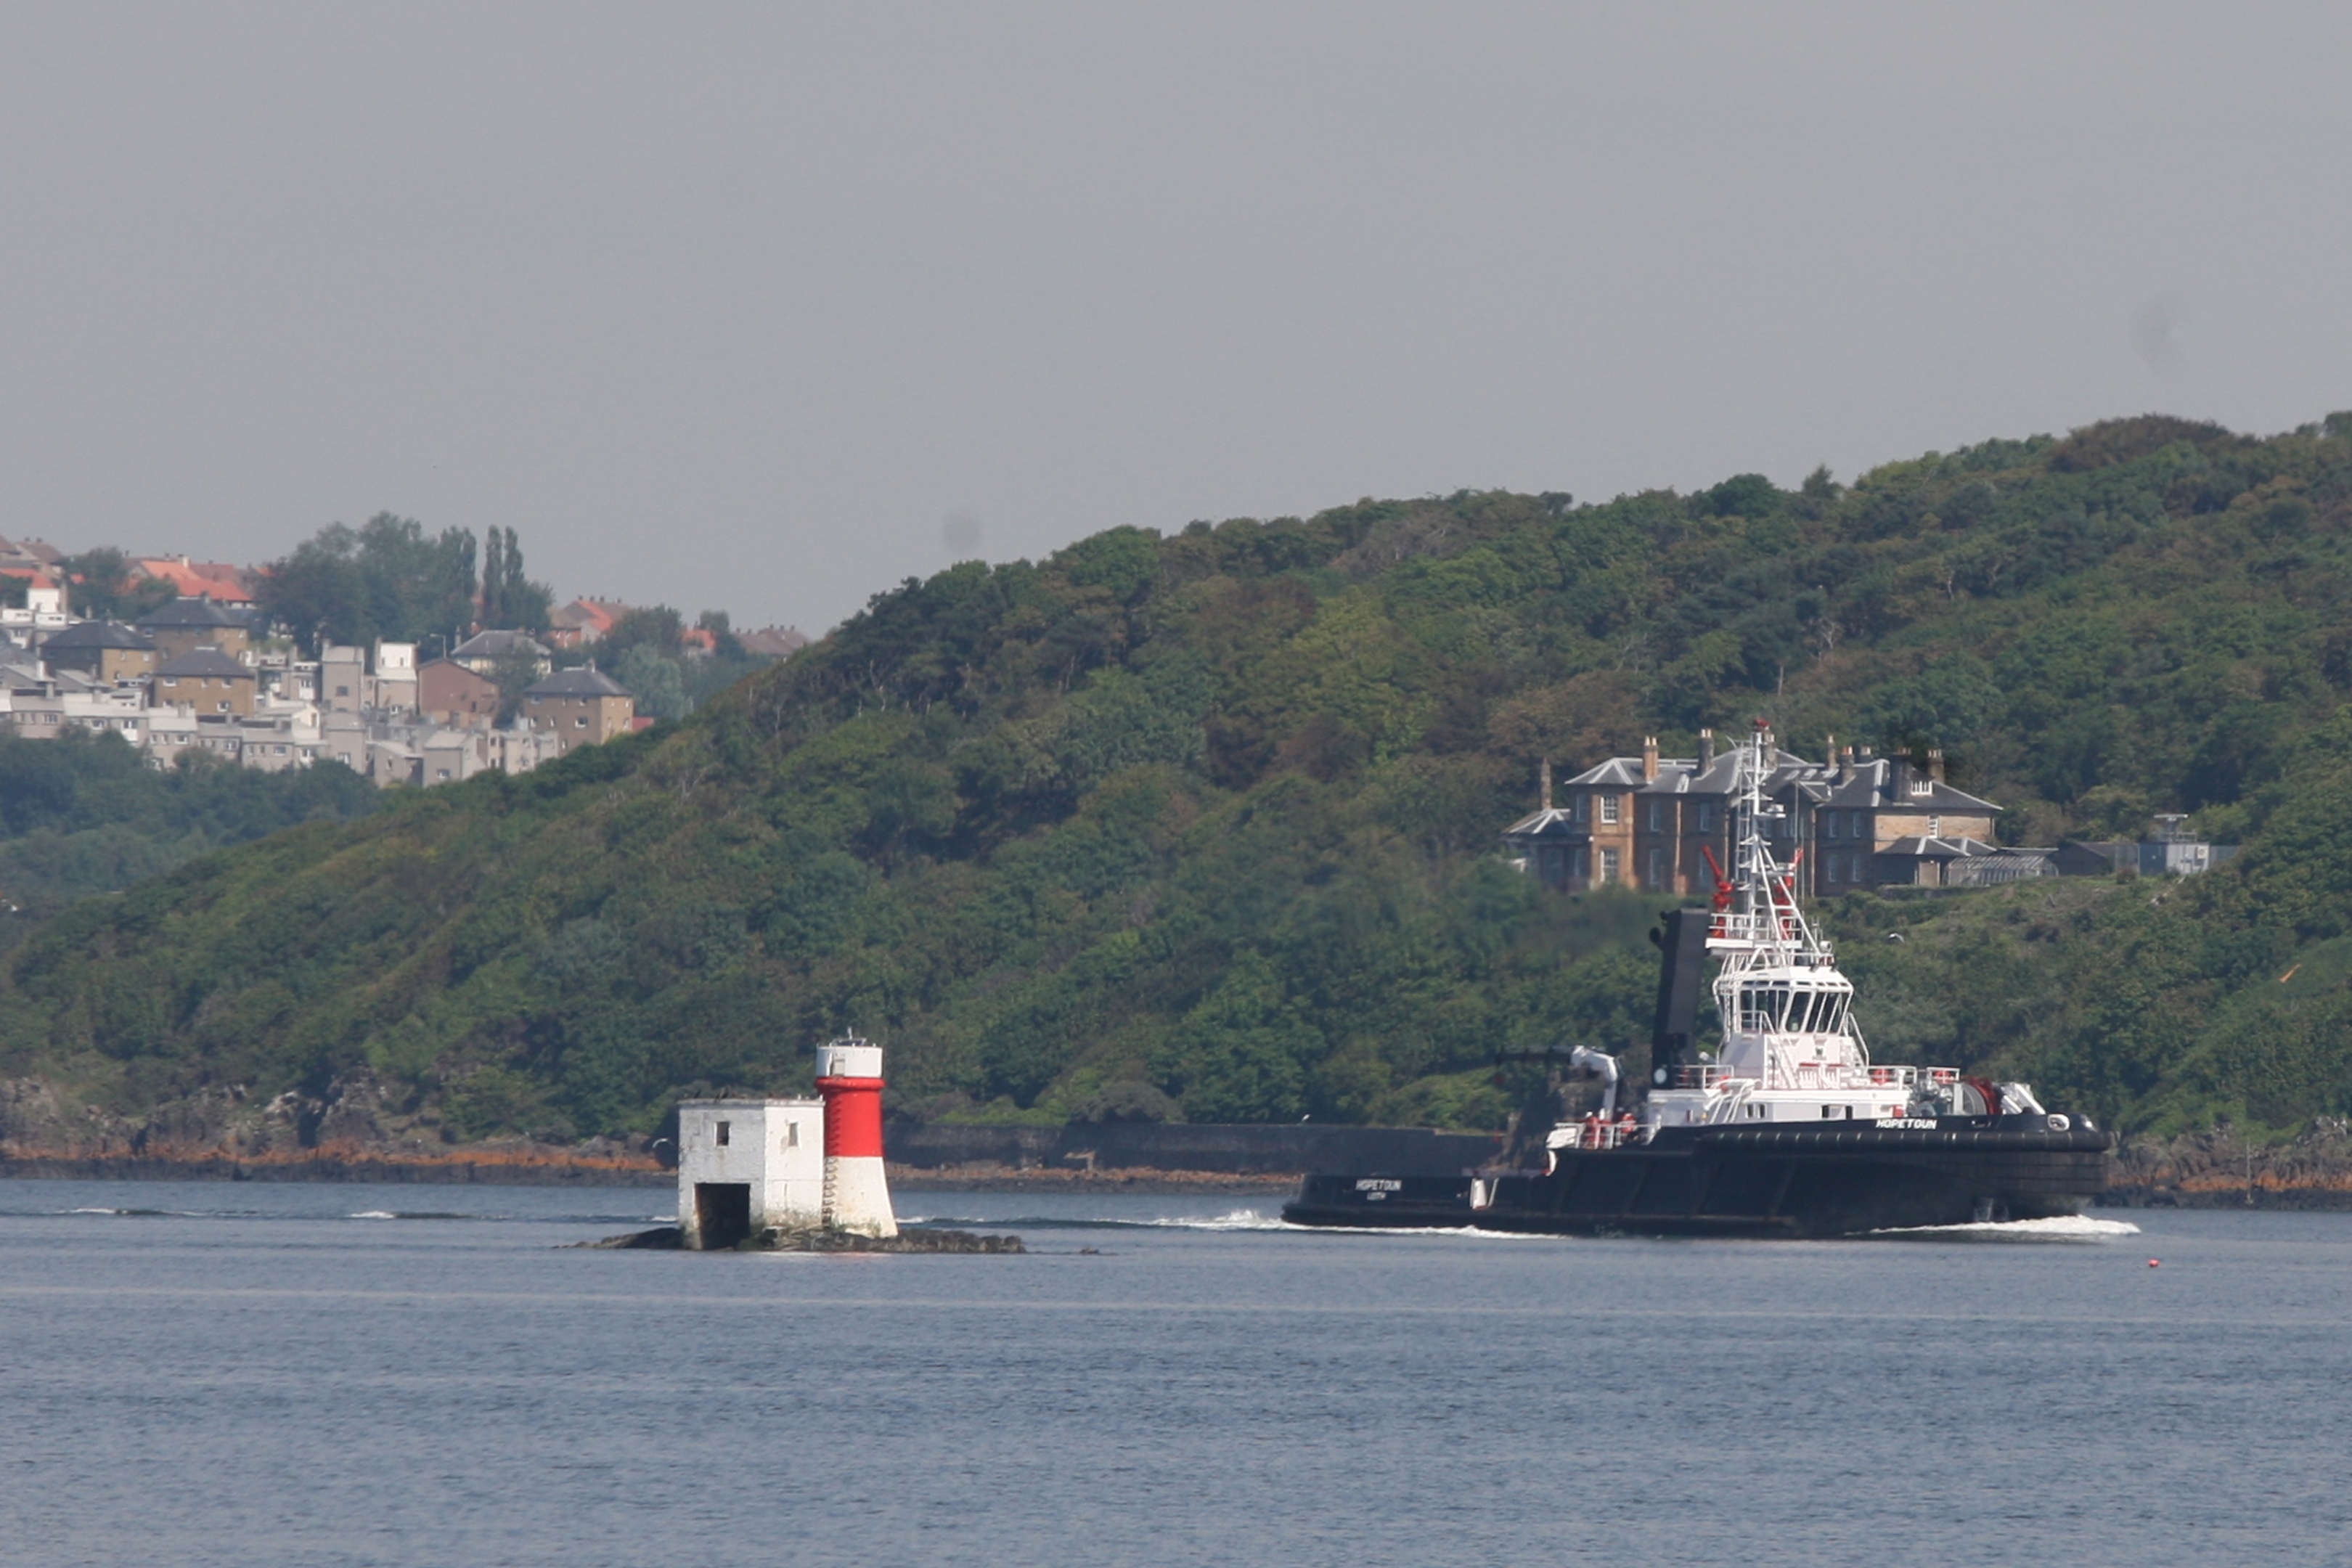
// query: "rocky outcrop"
[[2224, 1169], [349, 1133], [669, 1238]]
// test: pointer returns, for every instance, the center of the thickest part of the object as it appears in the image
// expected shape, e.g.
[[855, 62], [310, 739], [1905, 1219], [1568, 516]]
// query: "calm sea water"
[[266, 1375]]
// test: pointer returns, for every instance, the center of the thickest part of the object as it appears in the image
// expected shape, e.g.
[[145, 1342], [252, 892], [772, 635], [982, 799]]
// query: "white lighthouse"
[[857, 1194]]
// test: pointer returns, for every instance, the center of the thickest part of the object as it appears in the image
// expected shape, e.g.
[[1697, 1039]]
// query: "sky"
[[768, 307]]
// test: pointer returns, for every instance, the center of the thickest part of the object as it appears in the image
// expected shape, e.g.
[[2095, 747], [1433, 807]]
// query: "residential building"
[[451, 694], [102, 650], [41, 704], [187, 625], [392, 683], [583, 621], [1665, 823], [214, 580], [204, 681], [359, 680], [773, 642], [580, 707], [44, 610], [481, 652]]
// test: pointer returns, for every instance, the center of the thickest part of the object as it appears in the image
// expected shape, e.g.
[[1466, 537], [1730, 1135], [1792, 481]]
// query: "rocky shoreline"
[[913, 1239], [351, 1134]]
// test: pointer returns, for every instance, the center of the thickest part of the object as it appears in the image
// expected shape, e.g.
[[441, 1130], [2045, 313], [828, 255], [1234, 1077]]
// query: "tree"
[[724, 643], [103, 584], [660, 628], [511, 600], [657, 683], [385, 580], [514, 671]]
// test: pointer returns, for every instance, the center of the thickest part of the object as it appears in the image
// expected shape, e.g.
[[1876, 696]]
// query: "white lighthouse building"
[[748, 1165]]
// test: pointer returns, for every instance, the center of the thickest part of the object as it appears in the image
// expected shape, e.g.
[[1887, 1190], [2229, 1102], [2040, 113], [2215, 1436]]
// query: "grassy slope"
[[1213, 816]]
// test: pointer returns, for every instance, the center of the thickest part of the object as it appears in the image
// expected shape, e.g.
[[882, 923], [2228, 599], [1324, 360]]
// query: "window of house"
[[1706, 819], [1579, 808], [1583, 872], [1609, 810], [724, 1127], [1935, 827], [1833, 870], [224, 707], [1829, 826], [1654, 874], [171, 680], [1657, 814], [1609, 865], [440, 773], [343, 691], [581, 721]]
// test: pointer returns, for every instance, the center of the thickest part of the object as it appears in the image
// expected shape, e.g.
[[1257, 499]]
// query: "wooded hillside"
[[1206, 825]]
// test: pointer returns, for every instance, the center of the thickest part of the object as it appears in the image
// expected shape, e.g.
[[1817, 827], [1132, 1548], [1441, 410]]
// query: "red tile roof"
[[192, 580]]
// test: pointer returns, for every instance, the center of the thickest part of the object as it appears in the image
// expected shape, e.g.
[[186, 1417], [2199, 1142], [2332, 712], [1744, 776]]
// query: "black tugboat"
[[1793, 1132]]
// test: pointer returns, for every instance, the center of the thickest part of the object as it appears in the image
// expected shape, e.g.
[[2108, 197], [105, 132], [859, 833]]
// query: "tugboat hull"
[[1763, 1182]]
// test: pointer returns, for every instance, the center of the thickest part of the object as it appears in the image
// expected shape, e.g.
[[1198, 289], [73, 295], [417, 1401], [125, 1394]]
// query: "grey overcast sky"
[[767, 307]]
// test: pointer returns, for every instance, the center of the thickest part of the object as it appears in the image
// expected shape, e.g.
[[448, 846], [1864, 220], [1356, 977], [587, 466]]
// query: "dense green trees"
[[102, 584], [389, 579], [511, 600], [83, 813], [1210, 819]]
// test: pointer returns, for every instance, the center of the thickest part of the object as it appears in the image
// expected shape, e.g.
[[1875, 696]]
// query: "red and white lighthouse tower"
[[856, 1196]]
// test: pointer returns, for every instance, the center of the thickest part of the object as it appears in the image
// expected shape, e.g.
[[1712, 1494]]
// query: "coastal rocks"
[[2224, 1169], [669, 1237], [907, 1240]]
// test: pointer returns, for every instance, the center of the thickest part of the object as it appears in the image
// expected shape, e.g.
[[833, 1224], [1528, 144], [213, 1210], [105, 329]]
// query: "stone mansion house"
[[1856, 821]]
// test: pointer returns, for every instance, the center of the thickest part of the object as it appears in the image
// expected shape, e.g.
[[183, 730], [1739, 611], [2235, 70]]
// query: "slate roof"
[[1872, 785], [204, 661], [490, 645], [197, 612], [99, 633], [1938, 848], [577, 683], [1553, 823]]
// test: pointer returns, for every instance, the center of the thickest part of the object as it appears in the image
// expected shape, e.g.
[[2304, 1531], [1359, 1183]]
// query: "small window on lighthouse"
[[723, 1128], [792, 1135]]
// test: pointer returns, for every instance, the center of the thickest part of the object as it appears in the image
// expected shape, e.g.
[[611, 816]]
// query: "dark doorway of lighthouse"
[[723, 1212]]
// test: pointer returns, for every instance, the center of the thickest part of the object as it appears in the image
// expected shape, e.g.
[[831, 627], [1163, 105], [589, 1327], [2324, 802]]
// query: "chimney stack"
[[1831, 749], [1936, 763], [1706, 749], [1648, 759], [1898, 779], [1544, 774]]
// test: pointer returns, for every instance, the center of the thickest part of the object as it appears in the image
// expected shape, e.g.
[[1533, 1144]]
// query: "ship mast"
[[1762, 924], [1786, 1010]]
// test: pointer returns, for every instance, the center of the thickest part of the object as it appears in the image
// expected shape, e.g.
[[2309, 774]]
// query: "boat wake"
[[2066, 1227], [1236, 1219]]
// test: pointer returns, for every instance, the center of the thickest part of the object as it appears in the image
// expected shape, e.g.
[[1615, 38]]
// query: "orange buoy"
[[2154, 1263]]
